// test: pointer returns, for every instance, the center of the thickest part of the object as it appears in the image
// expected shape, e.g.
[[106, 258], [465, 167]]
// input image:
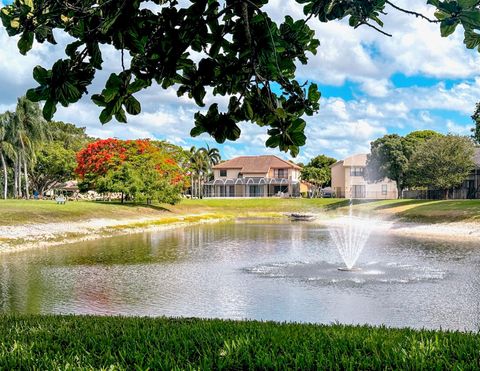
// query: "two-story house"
[[348, 180], [254, 176]]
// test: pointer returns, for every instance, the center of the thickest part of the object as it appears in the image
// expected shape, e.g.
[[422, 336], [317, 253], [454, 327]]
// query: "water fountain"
[[350, 235]]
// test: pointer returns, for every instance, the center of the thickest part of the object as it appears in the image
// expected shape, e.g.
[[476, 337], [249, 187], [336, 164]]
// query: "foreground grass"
[[70, 342]]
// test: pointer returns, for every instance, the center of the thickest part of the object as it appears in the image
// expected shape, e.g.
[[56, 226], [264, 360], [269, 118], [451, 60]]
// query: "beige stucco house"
[[348, 180], [254, 176]]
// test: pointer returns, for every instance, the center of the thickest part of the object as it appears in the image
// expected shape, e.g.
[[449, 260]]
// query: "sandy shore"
[[28, 236]]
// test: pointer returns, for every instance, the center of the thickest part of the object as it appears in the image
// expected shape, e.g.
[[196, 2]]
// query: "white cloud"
[[454, 128]]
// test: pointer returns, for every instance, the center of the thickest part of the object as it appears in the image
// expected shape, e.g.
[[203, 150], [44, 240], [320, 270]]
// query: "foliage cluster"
[[201, 162], [421, 159], [318, 173], [231, 48], [35, 154], [60, 342], [138, 169]]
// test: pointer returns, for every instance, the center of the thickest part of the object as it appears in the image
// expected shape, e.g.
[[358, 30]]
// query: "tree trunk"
[[5, 176], [15, 180], [446, 194], [399, 191], [25, 169], [191, 185], [19, 178], [122, 197]]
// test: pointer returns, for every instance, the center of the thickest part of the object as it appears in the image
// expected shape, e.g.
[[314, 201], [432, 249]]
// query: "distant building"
[[348, 180], [254, 176]]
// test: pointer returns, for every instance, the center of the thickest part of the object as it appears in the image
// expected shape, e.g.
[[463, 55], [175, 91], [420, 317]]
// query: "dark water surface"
[[250, 269]]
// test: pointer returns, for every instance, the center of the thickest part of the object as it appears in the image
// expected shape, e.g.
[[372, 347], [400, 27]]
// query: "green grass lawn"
[[14, 212], [426, 210], [259, 205], [39, 211], [70, 342]]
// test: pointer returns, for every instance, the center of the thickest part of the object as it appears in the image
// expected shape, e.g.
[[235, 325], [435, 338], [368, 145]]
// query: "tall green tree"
[[68, 135], [28, 128], [212, 155], [53, 164], [389, 157], [55, 159], [420, 136], [443, 162], [232, 47], [317, 172], [199, 167], [7, 149]]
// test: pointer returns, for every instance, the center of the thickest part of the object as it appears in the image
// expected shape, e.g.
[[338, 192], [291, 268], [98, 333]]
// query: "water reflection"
[[260, 270]]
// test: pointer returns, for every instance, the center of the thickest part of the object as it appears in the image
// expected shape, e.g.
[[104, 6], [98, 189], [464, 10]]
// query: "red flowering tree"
[[137, 169]]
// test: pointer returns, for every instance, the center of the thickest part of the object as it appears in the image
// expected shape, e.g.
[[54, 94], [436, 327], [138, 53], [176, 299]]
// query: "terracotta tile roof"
[[256, 164]]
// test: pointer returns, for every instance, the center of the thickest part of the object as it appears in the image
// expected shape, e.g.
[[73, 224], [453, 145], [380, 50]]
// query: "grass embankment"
[[70, 342], [426, 211], [15, 212]]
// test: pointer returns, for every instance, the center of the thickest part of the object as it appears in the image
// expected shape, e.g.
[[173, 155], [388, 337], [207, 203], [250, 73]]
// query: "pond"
[[250, 269]]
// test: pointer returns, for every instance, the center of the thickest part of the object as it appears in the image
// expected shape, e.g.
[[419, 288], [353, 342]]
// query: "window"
[[356, 171], [281, 173], [280, 189], [358, 191], [255, 191], [223, 172], [384, 189]]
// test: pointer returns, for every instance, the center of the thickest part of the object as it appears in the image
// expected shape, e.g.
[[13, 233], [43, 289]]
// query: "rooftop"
[[355, 160], [256, 164]]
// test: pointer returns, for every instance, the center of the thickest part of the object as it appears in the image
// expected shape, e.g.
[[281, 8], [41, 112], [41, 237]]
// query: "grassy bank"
[[69, 342], [15, 212]]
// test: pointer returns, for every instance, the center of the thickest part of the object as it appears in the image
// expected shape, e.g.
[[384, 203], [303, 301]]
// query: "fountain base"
[[353, 269]]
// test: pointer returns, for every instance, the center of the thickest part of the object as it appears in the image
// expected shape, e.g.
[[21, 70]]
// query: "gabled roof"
[[355, 160], [256, 164]]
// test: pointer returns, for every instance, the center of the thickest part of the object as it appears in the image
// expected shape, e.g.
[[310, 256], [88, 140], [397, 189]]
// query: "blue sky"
[[371, 85]]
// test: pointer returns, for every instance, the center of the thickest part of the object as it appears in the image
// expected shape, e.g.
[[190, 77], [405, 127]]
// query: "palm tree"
[[212, 154], [199, 165], [7, 150], [212, 158], [28, 129]]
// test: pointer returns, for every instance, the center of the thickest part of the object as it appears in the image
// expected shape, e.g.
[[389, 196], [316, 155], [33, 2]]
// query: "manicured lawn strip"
[[444, 211], [14, 212], [259, 205], [73, 342]]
